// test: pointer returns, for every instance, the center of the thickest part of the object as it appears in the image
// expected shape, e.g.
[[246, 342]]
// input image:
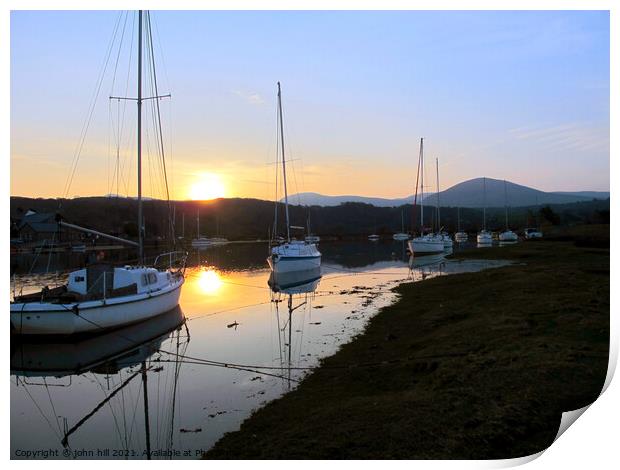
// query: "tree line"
[[250, 219]]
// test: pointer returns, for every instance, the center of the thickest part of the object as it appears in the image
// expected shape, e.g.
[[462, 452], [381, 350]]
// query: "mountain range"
[[471, 193]]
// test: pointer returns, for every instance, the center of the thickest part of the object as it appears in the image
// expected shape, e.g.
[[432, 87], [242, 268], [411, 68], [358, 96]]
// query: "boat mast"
[[147, 428], [484, 204], [421, 186], [139, 100], [438, 221], [288, 230], [506, 203]]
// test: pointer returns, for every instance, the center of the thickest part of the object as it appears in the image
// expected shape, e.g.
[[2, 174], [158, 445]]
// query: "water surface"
[[233, 345]]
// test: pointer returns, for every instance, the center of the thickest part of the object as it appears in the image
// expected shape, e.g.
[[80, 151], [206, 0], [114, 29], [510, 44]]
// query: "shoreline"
[[458, 371]]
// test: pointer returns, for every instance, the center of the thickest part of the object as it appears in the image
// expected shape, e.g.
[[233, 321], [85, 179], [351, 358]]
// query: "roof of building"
[[46, 218]]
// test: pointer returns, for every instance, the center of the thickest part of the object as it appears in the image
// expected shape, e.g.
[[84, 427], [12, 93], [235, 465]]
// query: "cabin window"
[[152, 278], [78, 279], [145, 280]]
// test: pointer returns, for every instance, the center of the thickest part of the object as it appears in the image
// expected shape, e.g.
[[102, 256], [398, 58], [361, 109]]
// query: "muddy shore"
[[468, 366]]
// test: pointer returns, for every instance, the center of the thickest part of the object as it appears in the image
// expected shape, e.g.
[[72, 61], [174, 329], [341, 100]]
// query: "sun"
[[207, 186]]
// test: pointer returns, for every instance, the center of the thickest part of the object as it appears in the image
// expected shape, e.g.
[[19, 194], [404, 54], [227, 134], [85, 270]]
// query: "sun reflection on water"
[[209, 281]]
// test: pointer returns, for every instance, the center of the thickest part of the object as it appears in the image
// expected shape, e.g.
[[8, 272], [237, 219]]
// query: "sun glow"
[[207, 186], [209, 281]]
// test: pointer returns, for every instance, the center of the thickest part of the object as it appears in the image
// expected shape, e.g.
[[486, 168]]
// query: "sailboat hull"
[[484, 238], [294, 256], [92, 316], [508, 236]]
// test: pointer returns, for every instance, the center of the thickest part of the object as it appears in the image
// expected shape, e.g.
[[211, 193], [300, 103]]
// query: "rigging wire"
[[159, 126], [38, 407], [86, 125]]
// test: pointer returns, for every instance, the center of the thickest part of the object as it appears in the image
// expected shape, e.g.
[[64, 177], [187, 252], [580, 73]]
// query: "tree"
[[130, 229], [549, 215]]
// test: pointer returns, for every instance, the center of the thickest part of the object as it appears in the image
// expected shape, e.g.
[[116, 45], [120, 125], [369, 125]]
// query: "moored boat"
[[507, 235], [484, 237], [96, 299], [532, 233], [460, 236], [101, 297], [424, 243], [401, 235], [291, 255]]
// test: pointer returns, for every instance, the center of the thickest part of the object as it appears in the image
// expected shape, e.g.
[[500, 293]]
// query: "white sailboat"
[[445, 237], [460, 236], [217, 240], [424, 243], [102, 297], [484, 236], [310, 237], [507, 235], [292, 255], [401, 235], [200, 242]]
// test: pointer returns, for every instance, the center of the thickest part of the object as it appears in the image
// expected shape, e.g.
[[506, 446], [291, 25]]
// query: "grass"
[[475, 366]]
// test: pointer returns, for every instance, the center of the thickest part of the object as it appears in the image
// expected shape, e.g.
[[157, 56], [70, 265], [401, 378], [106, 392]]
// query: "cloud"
[[570, 136], [250, 97]]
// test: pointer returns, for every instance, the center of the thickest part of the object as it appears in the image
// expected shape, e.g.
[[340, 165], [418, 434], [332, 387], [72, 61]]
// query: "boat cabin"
[[100, 278]]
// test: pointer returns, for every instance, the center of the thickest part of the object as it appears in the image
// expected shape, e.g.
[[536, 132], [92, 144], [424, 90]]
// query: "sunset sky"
[[522, 96]]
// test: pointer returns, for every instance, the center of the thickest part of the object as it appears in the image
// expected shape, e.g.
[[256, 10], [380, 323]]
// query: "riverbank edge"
[[466, 384]]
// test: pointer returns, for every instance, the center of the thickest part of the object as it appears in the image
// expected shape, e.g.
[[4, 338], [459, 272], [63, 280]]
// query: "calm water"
[[233, 345]]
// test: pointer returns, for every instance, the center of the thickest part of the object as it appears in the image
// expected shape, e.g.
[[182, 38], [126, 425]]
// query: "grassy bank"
[[476, 365]]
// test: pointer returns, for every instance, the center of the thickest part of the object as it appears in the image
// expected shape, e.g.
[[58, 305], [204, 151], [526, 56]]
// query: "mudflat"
[[467, 366]]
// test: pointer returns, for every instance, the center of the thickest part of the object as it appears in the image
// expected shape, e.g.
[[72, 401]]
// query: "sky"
[[515, 95]]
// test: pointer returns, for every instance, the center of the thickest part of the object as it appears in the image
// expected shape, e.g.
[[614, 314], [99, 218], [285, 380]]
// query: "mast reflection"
[[298, 289]]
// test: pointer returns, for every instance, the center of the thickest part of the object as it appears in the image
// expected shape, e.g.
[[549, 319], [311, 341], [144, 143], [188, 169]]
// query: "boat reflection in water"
[[121, 356], [428, 260], [508, 243], [298, 289]]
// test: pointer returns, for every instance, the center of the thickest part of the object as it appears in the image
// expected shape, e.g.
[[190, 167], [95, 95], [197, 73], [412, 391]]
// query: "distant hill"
[[587, 194], [466, 194], [471, 194], [315, 199]]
